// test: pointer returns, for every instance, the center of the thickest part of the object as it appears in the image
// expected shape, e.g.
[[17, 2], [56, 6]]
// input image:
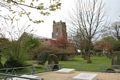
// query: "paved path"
[[69, 76]]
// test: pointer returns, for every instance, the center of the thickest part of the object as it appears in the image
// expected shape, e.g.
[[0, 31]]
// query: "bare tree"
[[87, 21], [115, 28], [11, 27]]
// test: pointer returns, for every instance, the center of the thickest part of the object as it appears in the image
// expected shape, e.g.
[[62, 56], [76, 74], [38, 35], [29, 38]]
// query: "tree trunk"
[[88, 51], [88, 57], [84, 55]]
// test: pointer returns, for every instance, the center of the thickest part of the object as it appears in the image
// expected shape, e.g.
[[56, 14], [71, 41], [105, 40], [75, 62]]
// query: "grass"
[[78, 63], [98, 64]]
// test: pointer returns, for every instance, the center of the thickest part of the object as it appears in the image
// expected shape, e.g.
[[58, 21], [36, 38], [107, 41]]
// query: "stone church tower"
[[59, 29]]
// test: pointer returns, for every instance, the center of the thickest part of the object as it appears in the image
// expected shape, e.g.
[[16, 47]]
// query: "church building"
[[59, 30]]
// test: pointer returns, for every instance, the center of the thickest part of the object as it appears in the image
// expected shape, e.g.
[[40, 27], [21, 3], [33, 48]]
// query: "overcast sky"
[[112, 9]]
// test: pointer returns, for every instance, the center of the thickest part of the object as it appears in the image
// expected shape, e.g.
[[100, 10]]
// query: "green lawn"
[[98, 64]]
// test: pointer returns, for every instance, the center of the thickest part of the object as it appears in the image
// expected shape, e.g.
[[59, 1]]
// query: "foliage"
[[1, 65], [53, 62], [111, 48], [108, 43], [53, 59], [46, 55], [0, 61], [60, 42], [3, 45], [62, 45], [18, 49], [13, 63], [31, 43], [52, 47], [18, 52], [43, 52], [25, 7], [15, 52], [42, 57]]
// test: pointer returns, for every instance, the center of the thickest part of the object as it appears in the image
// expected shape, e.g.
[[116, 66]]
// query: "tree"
[[110, 46], [28, 7], [17, 52], [87, 21], [3, 45], [30, 43], [60, 42], [115, 28], [106, 43]]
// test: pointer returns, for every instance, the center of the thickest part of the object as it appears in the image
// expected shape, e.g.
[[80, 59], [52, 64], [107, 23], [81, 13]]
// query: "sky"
[[112, 13], [45, 29]]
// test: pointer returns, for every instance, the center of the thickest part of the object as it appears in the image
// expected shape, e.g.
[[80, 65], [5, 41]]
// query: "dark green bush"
[[10, 63], [16, 55], [53, 59], [42, 57], [1, 65], [18, 52]]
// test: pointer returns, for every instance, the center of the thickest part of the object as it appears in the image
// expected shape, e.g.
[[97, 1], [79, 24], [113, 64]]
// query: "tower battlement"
[[59, 29]]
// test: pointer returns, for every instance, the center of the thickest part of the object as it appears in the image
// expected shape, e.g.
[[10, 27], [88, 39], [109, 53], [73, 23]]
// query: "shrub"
[[53, 59], [13, 63], [1, 65], [42, 57], [16, 54]]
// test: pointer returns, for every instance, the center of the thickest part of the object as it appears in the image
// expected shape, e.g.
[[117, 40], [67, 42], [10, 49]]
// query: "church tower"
[[59, 29]]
